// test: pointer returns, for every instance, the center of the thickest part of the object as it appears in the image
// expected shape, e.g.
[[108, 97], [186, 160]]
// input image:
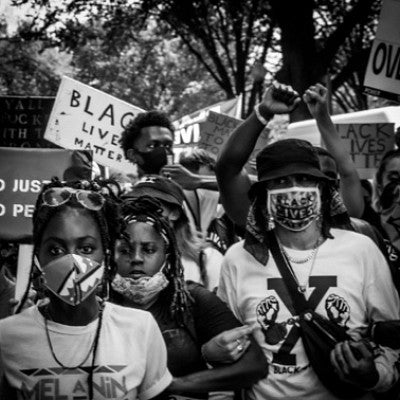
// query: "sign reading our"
[[23, 121], [383, 72], [367, 143], [22, 173], [88, 119]]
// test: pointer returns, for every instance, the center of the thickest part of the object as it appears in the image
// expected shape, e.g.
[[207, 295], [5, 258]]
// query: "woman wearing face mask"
[[77, 344], [342, 275], [150, 276]]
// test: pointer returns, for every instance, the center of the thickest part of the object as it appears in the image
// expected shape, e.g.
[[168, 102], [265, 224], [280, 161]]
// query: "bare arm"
[[243, 373], [350, 186], [233, 181], [188, 180]]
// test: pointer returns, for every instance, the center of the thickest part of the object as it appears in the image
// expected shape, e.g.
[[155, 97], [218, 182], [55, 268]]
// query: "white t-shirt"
[[131, 358], [212, 262], [350, 281]]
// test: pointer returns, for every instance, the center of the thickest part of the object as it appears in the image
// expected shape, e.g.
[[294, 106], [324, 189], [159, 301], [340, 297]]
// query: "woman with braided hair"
[[77, 345], [150, 276]]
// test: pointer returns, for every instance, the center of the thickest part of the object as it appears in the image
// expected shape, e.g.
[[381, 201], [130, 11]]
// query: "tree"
[[313, 40], [26, 68]]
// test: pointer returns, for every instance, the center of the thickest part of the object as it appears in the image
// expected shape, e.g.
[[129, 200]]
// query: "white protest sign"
[[383, 72], [367, 143], [85, 118]]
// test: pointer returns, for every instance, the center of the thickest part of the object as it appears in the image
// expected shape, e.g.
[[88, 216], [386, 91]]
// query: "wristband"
[[259, 116]]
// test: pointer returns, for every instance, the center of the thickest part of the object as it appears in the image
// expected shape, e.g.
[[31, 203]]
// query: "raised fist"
[[279, 99], [337, 309], [267, 311]]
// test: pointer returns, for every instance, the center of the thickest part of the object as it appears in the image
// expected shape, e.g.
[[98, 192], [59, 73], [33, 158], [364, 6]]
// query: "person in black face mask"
[[147, 141]]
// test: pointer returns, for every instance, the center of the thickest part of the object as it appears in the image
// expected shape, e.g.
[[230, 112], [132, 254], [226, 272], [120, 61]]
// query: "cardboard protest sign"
[[22, 173], [215, 130], [187, 128], [23, 121], [383, 72], [367, 143], [85, 118]]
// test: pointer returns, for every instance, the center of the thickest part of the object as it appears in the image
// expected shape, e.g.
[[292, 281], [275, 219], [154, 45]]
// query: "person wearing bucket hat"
[[335, 271]]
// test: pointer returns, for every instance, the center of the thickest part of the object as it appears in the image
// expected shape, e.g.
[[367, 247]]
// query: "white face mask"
[[294, 208], [142, 291]]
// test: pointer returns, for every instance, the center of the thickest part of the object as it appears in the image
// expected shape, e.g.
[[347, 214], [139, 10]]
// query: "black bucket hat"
[[284, 158]]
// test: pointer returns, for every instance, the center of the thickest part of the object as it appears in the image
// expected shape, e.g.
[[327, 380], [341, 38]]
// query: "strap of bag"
[[300, 303]]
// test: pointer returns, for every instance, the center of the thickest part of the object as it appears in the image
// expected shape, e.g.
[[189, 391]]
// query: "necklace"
[[92, 347], [302, 288], [301, 260]]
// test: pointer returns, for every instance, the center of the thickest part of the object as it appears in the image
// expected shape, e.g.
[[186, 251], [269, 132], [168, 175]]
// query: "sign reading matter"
[[367, 143], [23, 121], [383, 72], [22, 173], [85, 118]]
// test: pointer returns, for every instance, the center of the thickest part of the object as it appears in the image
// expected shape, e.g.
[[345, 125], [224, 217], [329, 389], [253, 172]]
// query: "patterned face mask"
[[72, 278], [294, 208], [142, 291]]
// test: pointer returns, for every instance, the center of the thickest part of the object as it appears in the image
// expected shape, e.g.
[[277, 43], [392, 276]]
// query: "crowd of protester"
[[197, 281]]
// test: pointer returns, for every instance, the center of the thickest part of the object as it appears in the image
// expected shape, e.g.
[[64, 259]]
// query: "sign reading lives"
[[85, 118], [22, 173], [23, 121], [367, 143], [383, 72]]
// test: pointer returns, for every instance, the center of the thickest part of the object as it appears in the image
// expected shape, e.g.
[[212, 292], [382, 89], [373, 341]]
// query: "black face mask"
[[153, 160]]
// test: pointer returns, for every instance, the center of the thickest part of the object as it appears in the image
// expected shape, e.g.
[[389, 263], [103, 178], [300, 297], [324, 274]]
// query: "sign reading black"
[[23, 121]]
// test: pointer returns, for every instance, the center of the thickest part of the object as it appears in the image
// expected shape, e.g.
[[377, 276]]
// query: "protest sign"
[[23, 121], [215, 130], [187, 128], [85, 118], [367, 143], [383, 72], [22, 173]]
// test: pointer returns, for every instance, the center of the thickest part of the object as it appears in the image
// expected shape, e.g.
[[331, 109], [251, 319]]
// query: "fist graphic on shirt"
[[337, 309], [267, 311]]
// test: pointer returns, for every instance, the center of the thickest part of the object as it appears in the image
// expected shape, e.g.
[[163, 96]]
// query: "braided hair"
[[175, 297], [108, 222]]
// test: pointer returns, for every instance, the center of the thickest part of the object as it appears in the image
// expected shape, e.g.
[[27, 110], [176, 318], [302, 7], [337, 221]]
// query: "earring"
[[270, 222]]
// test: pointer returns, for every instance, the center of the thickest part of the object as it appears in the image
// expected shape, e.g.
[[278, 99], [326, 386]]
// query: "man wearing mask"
[[148, 140]]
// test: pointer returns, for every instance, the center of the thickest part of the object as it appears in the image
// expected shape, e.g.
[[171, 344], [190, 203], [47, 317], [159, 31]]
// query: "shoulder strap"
[[299, 302]]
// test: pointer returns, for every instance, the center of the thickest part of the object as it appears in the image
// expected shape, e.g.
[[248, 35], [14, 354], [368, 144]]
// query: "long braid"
[[176, 295]]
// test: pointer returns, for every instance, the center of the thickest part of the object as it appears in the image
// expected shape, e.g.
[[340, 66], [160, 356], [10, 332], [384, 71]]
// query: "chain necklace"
[[302, 288], [301, 260], [94, 343]]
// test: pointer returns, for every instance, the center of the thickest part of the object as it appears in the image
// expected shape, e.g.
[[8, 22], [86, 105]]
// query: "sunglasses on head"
[[55, 197]]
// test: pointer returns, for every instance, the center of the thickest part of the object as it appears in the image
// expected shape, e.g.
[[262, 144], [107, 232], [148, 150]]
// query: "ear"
[[131, 153]]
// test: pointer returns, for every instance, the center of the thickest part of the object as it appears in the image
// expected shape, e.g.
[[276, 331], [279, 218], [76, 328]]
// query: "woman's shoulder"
[[127, 315]]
